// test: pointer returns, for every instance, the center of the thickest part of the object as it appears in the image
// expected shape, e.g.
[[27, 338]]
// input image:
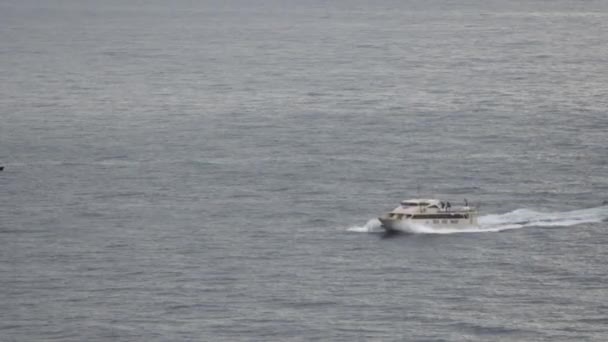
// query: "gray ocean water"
[[212, 171]]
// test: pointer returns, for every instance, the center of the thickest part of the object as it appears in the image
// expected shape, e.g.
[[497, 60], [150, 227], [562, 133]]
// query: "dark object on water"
[[1, 168]]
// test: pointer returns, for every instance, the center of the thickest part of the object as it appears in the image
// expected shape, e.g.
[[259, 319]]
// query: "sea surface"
[[213, 170]]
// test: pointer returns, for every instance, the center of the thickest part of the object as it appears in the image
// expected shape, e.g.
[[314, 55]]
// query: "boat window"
[[448, 216]]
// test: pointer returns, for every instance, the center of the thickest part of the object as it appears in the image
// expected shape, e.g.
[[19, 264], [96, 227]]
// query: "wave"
[[372, 226], [517, 219]]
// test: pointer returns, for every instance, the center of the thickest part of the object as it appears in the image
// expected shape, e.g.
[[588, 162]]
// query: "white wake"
[[520, 218]]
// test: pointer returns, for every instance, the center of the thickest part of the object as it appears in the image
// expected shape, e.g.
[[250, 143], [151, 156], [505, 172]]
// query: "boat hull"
[[407, 225]]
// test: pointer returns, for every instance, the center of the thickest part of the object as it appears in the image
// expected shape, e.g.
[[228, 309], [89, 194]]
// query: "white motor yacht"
[[432, 213]]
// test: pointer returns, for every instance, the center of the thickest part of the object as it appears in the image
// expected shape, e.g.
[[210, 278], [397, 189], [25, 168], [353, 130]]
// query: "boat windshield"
[[413, 204]]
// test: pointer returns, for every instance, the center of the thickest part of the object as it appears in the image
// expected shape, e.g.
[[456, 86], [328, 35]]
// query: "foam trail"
[[517, 219], [521, 218]]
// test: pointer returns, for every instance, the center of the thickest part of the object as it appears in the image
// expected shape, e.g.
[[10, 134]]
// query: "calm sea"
[[212, 170]]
